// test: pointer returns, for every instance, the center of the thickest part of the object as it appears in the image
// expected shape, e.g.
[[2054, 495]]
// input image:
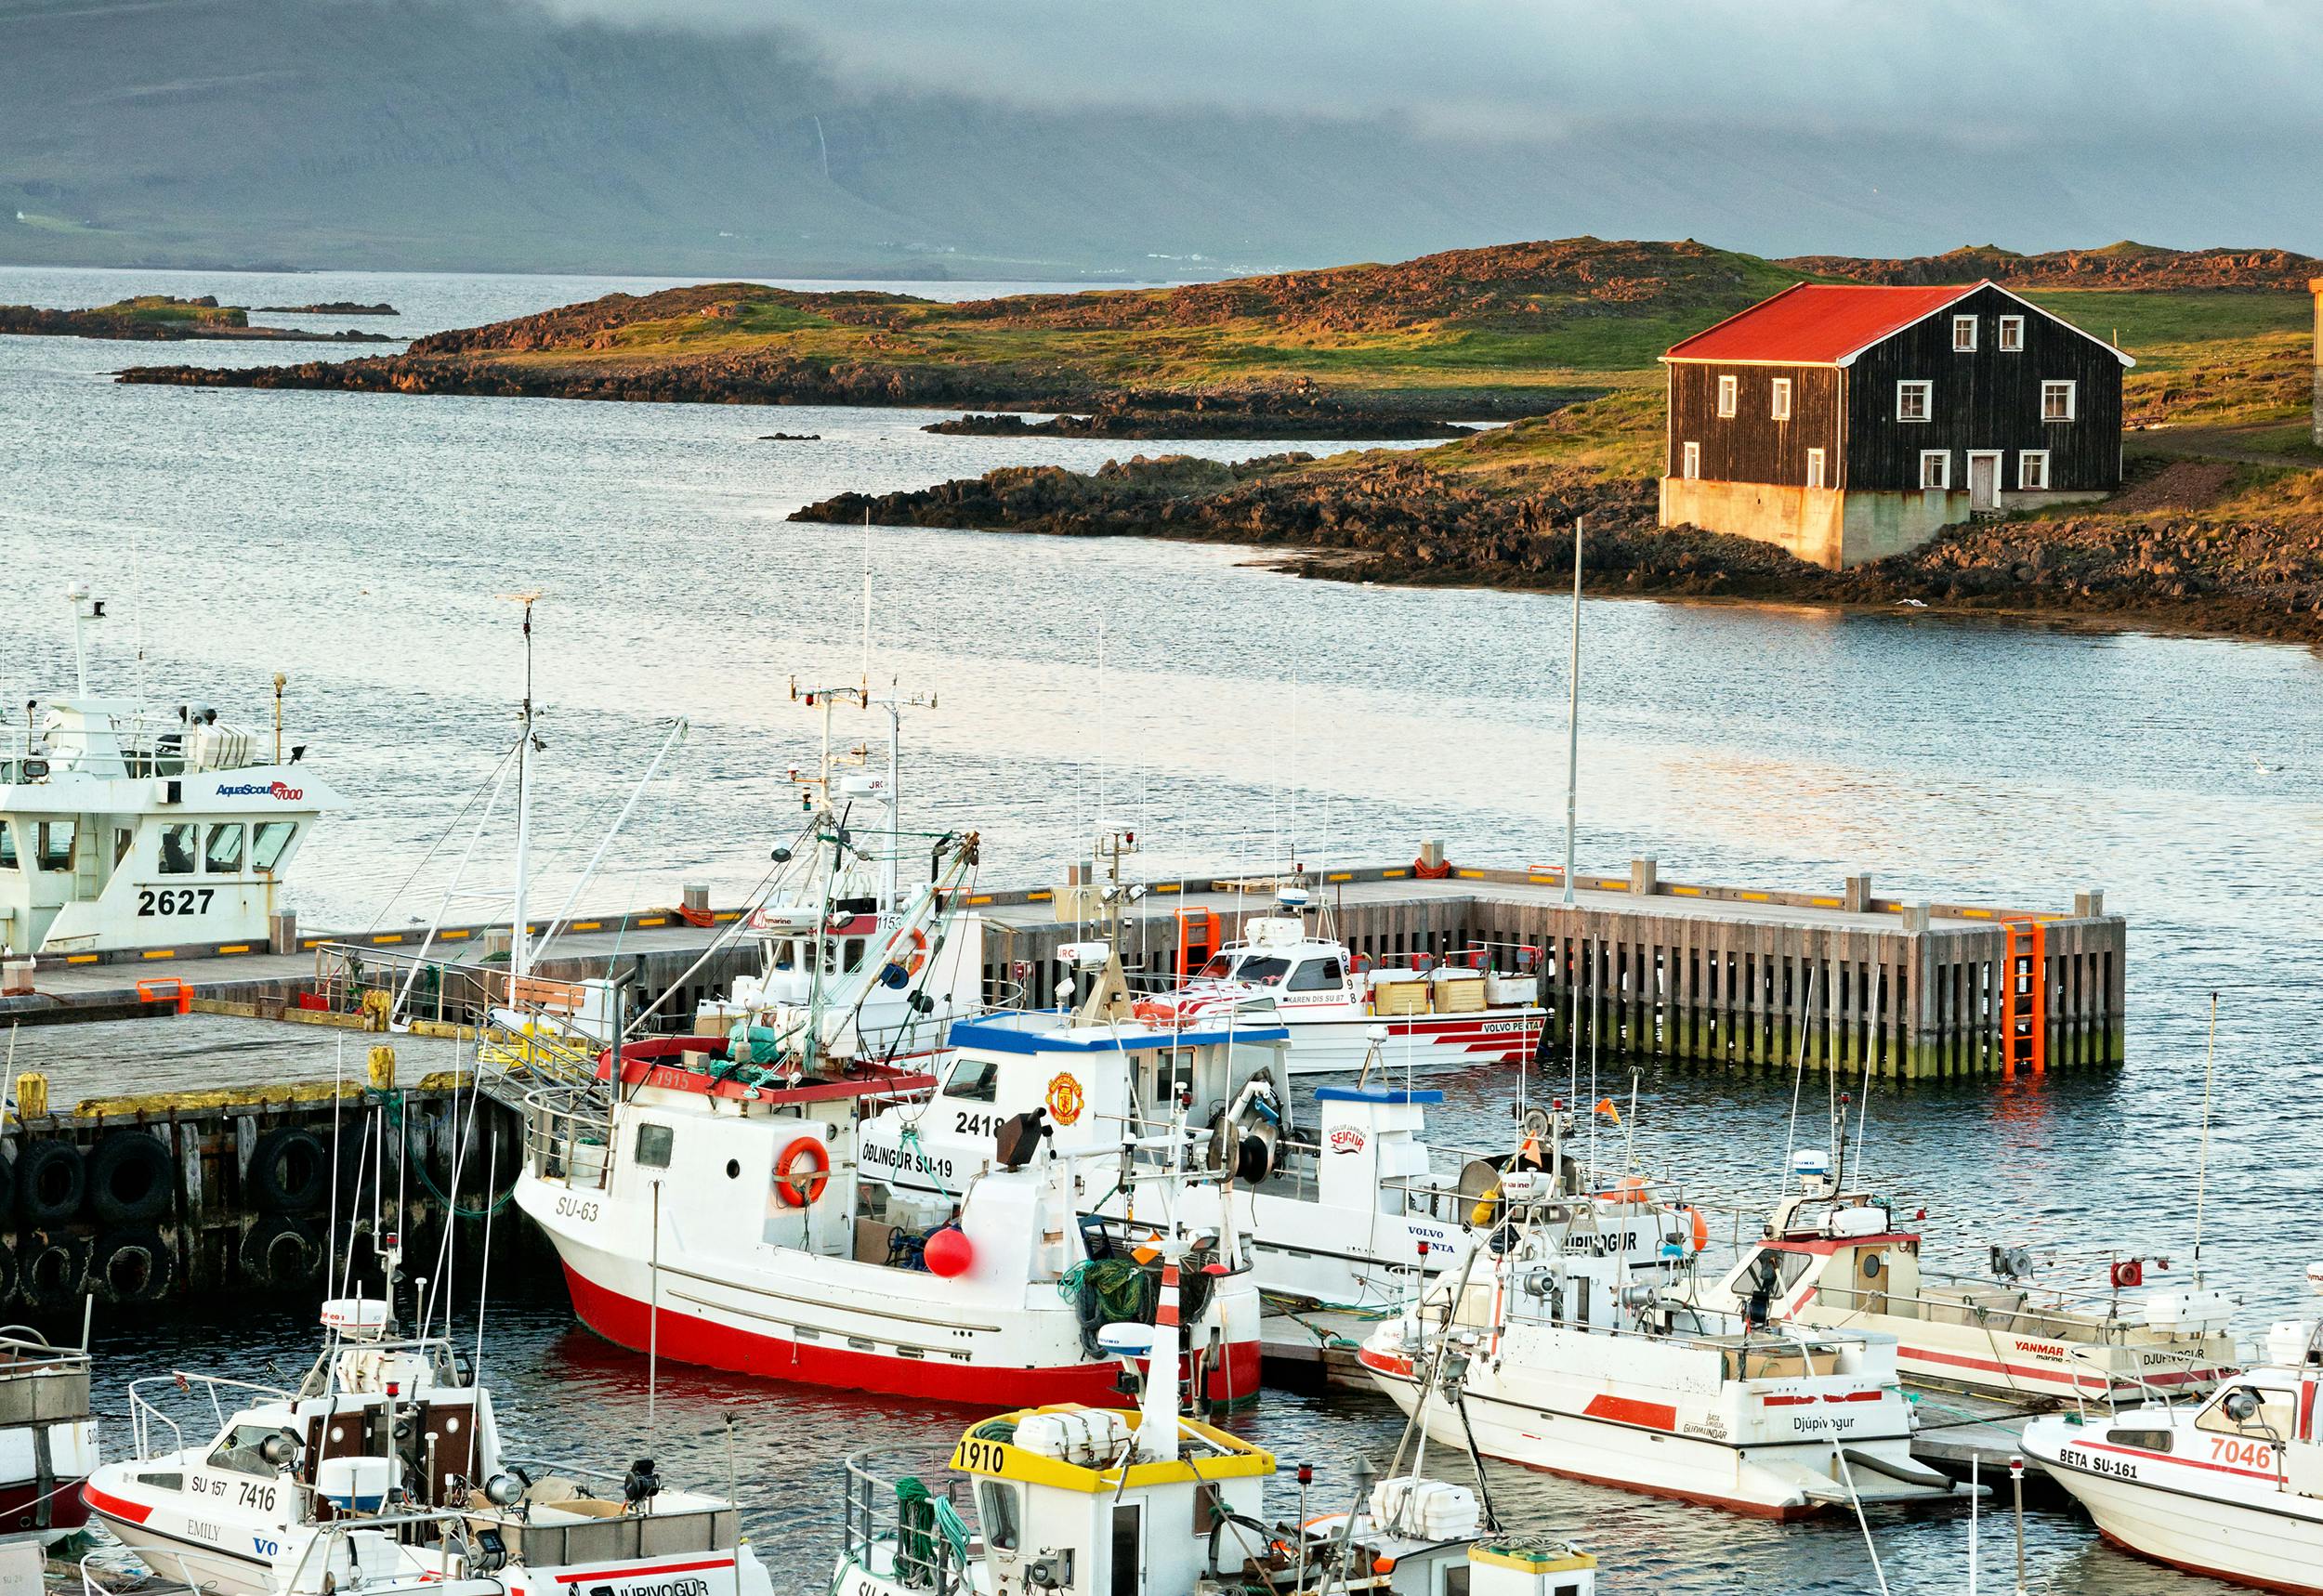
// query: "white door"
[[1984, 479]]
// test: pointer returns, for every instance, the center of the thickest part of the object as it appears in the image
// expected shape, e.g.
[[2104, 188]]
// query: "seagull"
[[2262, 767], [1912, 604]]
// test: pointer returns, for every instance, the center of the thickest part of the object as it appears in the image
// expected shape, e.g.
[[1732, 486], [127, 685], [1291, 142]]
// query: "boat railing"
[[569, 1136], [937, 1556], [2181, 1377], [145, 1414], [1982, 1304], [411, 984]]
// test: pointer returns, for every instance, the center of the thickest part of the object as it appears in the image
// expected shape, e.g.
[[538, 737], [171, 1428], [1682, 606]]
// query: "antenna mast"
[[519, 939]]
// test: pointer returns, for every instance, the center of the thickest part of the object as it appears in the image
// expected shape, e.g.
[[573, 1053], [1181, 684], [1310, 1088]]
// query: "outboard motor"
[[640, 1485]]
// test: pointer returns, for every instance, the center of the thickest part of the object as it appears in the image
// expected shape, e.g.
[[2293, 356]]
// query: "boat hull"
[[1638, 1446], [2206, 1535], [1340, 1044]]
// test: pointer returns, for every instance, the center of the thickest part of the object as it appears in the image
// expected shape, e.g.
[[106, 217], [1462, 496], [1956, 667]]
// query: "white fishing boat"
[[48, 1437], [1092, 1501], [1562, 1362], [723, 1200], [384, 1470], [125, 824], [1459, 1007], [1840, 1260], [2230, 1485]]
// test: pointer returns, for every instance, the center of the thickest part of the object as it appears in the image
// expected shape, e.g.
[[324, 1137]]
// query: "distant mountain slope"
[[2123, 265], [506, 135]]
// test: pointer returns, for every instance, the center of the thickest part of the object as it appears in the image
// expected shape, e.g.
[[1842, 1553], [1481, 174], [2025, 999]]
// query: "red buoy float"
[[948, 1251]]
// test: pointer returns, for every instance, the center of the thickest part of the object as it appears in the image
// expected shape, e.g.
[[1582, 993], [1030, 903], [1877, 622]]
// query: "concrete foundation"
[[1826, 526]]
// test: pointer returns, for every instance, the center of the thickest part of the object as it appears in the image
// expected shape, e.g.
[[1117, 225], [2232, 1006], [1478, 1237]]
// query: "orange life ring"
[[918, 960], [1701, 1230], [794, 1187]]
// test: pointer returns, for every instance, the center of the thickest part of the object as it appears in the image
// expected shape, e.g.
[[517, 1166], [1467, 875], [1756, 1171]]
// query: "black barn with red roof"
[[1848, 423]]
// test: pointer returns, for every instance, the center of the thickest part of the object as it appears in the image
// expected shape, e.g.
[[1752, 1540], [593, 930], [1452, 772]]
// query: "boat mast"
[[519, 945], [76, 594], [1572, 721]]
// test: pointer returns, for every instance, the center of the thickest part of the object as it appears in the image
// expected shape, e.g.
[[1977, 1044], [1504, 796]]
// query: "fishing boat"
[[1840, 1260], [726, 1206], [2230, 1485], [1549, 1358], [384, 1469], [48, 1437], [125, 824], [1460, 1007], [1098, 1501]]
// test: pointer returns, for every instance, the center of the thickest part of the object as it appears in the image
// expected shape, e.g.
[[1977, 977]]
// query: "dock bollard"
[[382, 1067], [31, 1095]]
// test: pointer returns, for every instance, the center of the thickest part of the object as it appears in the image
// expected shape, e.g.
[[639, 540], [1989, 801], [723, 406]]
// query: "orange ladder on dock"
[[2024, 997]]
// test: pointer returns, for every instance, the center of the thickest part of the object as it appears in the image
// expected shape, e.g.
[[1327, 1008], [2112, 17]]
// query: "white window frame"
[[1943, 460], [2028, 459], [1814, 469], [1779, 398], [1690, 461], [2011, 338], [2072, 400], [1927, 403], [1729, 396], [1964, 325]]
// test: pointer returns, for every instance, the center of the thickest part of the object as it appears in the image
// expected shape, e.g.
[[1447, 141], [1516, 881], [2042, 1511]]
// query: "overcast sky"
[[2004, 71]]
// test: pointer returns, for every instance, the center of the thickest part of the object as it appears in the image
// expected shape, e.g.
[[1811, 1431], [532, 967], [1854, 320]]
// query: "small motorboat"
[[383, 1472], [2230, 1485], [1540, 1353], [1839, 1260]]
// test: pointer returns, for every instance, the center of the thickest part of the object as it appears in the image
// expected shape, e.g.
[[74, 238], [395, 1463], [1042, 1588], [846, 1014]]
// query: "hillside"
[[2118, 266], [1508, 330]]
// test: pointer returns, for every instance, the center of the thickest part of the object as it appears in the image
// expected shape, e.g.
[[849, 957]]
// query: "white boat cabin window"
[[124, 840], [854, 955], [653, 1145], [2255, 1411], [786, 955], [1220, 967], [974, 1080], [238, 1451], [996, 1504], [7, 847], [177, 850], [1317, 975], [1266, 970], [273, 839], [222, 855], [1785, 1264], [57, 838]]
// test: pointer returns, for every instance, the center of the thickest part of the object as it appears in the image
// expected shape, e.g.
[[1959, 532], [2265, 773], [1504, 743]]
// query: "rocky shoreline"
[[1219, 421], [200, 319], [1398, 520]]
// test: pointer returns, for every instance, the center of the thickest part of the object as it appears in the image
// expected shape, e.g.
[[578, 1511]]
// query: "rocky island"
[[2219, 526], [332, 308], [161, 317]]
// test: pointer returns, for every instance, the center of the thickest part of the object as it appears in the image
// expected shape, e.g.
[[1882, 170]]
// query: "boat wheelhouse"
[[125, 825], [48, 1437]]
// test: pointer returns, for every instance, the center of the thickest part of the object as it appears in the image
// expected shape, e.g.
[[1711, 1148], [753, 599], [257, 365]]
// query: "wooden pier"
[[1640, 967], [1646, 968]]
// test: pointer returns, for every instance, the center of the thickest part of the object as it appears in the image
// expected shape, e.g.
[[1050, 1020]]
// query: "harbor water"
[[1231, 715]]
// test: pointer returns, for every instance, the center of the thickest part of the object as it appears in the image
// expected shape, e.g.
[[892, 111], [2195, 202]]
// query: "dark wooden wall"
[[1751, 446], [1985, 399]]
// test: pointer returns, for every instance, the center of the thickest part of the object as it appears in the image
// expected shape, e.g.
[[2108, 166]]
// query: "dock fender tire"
[[54, 1268], [8, 1180], [131, 1177], [280, 1252], [8, 1277], [131, 1266], [290, 1170], [51, 1181]]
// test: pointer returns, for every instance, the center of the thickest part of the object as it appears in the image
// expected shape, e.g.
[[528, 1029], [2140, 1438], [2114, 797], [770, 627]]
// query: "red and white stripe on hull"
[[1324, 1045], [688, 1338], [1958, 1369]]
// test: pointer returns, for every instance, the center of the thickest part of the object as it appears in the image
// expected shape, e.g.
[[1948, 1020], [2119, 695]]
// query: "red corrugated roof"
[[1817, 323]]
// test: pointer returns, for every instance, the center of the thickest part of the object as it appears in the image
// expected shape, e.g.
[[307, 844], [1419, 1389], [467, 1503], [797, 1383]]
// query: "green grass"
[[2157, 323], [161, 307]]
